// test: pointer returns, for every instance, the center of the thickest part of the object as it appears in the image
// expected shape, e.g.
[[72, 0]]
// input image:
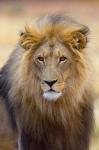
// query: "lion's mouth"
[[52, 90], [52, 95]]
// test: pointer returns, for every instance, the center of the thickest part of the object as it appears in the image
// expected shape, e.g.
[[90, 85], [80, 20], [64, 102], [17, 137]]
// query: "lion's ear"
[[80, 39], [31, 38], [25, 40]]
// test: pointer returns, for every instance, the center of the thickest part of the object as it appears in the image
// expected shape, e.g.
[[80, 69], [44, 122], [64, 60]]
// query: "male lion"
[[46, 86]]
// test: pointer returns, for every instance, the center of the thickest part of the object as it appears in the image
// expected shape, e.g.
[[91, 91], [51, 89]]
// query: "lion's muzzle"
[[49, 91]]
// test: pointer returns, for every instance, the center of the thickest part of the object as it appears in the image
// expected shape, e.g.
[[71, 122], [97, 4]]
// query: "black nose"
[[50, 83]]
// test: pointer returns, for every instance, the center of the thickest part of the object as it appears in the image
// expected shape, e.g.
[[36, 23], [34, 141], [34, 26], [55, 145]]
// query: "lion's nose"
[[51, 82]]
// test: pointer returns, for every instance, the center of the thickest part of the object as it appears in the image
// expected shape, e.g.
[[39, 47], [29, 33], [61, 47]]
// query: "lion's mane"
[[69, 118]]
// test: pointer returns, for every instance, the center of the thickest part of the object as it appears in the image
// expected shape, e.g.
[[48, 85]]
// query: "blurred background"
[[14, 14]]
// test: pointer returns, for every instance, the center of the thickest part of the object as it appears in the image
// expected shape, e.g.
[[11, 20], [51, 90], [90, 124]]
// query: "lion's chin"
[[51, 95]]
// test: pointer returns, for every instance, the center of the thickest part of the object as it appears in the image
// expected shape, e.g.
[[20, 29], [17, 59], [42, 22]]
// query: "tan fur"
[[35, 114], [25, 78], [33, 38]]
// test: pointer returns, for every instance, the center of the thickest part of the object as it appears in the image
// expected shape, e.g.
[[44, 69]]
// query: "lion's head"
[[54, 56], [49, 71]]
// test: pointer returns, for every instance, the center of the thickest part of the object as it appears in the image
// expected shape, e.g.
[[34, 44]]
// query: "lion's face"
[[53, 69]]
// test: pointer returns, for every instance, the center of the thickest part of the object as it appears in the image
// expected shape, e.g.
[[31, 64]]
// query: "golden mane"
[[66, 123], [26, 81], [33, 38]]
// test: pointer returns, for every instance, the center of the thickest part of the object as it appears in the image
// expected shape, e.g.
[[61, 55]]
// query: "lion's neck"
[[47, 115]]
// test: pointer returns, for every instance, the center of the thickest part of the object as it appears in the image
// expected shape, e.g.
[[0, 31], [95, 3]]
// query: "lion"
[[8, 133], [48, 86]]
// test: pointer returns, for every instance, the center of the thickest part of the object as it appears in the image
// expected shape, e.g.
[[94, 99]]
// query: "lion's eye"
[[62, 59], [40, 59]]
